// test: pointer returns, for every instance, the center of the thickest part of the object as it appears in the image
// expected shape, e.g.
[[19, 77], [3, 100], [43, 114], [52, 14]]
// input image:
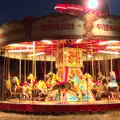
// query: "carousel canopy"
[[88, 32], [91, 48]]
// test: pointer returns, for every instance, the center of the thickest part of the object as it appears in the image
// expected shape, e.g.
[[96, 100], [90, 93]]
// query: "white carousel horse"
[[18, 90]]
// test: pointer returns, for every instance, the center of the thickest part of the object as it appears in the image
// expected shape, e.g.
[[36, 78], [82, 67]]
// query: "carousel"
[[61, 63]]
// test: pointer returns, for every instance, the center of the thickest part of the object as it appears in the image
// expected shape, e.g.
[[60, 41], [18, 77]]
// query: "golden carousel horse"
[[97, 88], [31, 80], [8, 90], [41, 85], [86, 85], [52, 79], [40, 90], [89, 80]]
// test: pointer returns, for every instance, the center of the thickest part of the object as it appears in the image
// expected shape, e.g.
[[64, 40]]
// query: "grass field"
[[114, 115]]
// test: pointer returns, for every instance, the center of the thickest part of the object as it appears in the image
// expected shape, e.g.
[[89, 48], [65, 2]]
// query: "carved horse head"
[[52, 79]]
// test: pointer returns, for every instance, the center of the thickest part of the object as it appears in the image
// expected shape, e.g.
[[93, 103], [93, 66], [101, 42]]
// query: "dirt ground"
[[114, 115]]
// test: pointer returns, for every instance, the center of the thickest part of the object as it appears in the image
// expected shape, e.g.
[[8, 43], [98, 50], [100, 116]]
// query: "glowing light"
[[78, 41], [89, 55], [93, 4], [113, 47], [21, 45], [18, 51], [108, 52], [60, 7], [47, 41], [36, 54], [78, 8], [108, 42]]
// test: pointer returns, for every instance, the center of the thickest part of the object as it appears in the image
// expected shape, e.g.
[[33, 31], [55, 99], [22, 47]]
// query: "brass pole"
[[107, 61], [34, 62], [111, 62], [3, 85], [87, 65], [24, 68], [98, 63], [20, 66], [92, 61], [44, 67], [51, 58]]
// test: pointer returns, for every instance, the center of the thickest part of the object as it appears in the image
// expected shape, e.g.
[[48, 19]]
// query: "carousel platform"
[[58, 107]]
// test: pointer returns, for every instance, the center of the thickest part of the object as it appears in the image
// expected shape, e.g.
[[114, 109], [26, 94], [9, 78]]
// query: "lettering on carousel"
[[45, 27], [107, 27]]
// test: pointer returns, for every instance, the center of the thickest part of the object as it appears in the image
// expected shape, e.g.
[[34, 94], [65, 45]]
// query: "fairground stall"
[[60, 63]]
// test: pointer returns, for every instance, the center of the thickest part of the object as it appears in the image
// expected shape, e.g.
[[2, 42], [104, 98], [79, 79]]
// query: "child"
[[112, 85], [112, 80]]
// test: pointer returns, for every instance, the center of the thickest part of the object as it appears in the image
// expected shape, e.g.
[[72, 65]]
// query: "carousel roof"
[[49, 47], [76, 9]]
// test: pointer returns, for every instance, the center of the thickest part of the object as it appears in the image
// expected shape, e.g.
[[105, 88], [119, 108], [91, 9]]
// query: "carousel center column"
[[69, 63]]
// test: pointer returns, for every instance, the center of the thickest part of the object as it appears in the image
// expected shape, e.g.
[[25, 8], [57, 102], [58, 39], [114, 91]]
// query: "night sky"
[[18, 9]]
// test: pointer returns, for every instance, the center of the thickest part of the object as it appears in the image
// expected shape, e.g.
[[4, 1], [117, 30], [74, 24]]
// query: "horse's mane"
[[53, 75], [31, 77], [17, 80], [87, 75]]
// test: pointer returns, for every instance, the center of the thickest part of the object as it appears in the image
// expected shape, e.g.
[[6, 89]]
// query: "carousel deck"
[[56, 107]]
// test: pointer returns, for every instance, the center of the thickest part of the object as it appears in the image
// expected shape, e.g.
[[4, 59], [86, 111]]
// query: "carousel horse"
[[18, 90], [57, 88], [26, 90], [89, 80], [40, 90], [83, 85], [8, 90], [15, 83], [109, 88], [86, 85], [62, 93], [31, 80], [99, 88], [52, 80]]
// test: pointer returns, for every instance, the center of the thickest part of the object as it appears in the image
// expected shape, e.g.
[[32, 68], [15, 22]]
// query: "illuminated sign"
[[64, 26], [107, 27], [57, 26]]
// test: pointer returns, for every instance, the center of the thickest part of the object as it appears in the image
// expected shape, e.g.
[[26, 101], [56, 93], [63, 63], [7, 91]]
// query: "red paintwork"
[[58, 108], [76, 9]]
